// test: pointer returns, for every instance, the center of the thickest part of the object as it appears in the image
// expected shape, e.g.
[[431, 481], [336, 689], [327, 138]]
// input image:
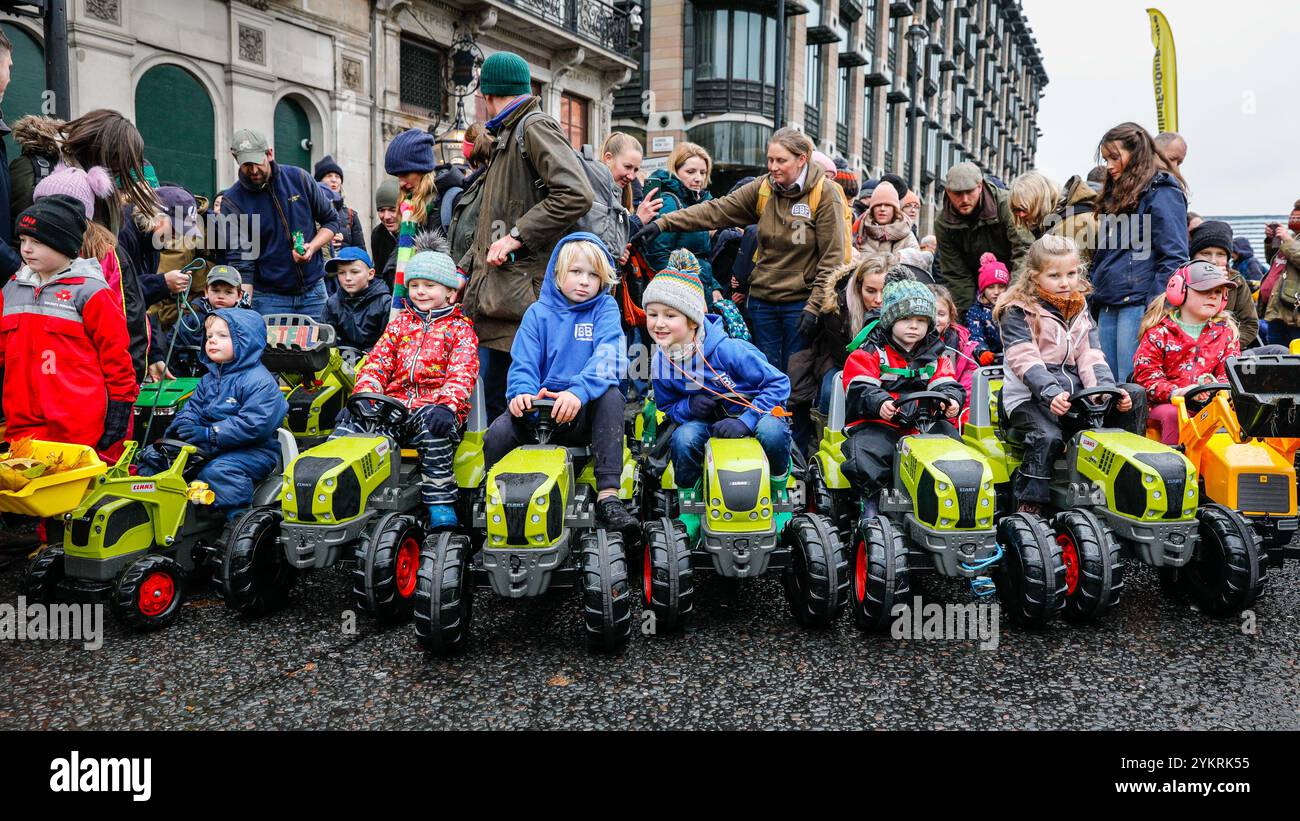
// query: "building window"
[[842, 98], [868, 125], [422, 68], [734, 62], [573, 119]]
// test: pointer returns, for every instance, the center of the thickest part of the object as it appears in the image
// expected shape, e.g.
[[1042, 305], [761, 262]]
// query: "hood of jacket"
[[39, 135], [448, 176], [665, 179], [810, 182], [79, 269], [247, 339], [553, 298], [1076, 192], [1241, 247]]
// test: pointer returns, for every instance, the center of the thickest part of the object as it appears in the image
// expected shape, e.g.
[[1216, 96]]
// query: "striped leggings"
[[437, 482]]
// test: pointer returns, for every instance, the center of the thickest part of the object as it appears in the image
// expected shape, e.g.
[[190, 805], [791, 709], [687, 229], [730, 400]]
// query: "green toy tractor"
[[156, 406], [538, 528], [1119, 495], [319, 373], [141, 541]]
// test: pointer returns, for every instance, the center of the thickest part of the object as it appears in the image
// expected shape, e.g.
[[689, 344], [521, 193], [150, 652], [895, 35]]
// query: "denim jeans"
[[1280, 333], [690, 438], [494, 369], [828, 388], [774, 326], [311, 303], [1118, 328]]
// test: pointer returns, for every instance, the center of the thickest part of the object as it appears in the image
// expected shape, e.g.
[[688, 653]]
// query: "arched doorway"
[[292, 133], [174, 114], [26, 79]]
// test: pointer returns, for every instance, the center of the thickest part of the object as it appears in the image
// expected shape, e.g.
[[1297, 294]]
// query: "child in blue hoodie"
[[570, 347], [233, 413], [695, 367]]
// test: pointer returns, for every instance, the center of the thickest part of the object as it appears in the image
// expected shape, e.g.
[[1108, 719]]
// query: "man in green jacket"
[[976, 219]]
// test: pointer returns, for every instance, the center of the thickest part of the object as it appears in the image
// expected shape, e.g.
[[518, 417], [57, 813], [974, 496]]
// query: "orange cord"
[[778, 411]]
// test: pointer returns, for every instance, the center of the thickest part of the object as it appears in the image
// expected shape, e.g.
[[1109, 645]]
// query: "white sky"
[[1238, 100]]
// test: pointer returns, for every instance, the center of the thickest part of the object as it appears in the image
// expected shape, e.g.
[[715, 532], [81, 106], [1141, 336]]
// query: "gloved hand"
[[647, 234], [809, 322], [985, 357], [116, 420], [703, 406], [190, 432], [729, 428], [441, 421]]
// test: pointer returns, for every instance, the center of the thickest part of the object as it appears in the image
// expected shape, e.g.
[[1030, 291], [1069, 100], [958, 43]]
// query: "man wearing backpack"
[[535, 191]]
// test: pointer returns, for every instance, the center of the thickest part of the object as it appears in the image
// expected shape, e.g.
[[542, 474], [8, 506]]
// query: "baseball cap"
[[181, 206], [1205, 276], [226, 274], [248, 146], [349, 254]]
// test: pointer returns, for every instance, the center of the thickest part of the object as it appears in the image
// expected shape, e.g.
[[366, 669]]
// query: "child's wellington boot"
[[691, 520]]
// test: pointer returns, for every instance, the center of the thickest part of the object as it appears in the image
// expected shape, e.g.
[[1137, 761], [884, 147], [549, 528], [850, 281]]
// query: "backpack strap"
[[520, 127], [764, 194]]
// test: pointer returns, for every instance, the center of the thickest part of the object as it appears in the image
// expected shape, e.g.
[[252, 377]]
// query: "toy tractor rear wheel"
[[149, 593], [817, 580], [1226, 573], [606, 594], [254, 577], [1031, 576], [1094, 570], [667, 578], [383, 581], [444, 597], [880, 573], [658, 503], [40, 581]]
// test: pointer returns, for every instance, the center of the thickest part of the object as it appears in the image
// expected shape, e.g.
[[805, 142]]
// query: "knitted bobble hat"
[[679, 290], [904, 297], [432, 262]]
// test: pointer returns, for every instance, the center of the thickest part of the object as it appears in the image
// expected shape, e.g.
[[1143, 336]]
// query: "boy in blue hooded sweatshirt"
[[233, 413], [696, 367], [570, 347]]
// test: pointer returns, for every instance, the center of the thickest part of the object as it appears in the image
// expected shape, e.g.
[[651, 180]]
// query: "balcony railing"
[[812, 122], [842, 137], [598, 23]]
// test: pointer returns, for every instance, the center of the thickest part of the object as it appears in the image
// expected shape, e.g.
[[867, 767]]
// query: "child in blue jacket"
[[695, 366], [233, 414], [570, 347]]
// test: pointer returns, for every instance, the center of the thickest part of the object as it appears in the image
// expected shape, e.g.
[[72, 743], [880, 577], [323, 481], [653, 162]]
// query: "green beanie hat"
[[386, 195], [904, 297], [505, 74]]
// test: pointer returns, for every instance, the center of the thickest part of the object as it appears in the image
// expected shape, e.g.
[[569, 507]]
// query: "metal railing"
[[599, 23]]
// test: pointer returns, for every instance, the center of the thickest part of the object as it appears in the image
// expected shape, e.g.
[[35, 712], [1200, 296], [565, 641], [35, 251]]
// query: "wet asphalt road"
[[1154, 663]]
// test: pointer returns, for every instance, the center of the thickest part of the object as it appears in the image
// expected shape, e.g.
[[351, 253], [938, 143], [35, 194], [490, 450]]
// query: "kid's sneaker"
[[442, 517], [611, 512]]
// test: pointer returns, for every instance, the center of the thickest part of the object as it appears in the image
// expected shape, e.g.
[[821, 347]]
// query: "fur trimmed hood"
[[38, 134]]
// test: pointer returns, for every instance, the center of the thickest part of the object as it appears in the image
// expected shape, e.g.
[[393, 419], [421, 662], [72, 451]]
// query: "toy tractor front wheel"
[[383, 581], [606, 595], [1094, 571], [817, 580], [667, 578], [149, 593], [1031, 576], [444, 597], [254, 577], [1226, 573], [880, 574], [41, 579]]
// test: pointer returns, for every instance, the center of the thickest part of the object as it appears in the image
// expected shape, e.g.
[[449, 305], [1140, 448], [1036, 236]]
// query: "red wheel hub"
[[408, 561], [647, 575], [860, 570], [156, 593], [1070, 554]]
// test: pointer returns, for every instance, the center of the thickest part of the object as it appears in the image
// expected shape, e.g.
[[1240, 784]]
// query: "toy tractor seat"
[[835, 419], [1009, 435], [1265, 395], [288, 448], [296, 344]]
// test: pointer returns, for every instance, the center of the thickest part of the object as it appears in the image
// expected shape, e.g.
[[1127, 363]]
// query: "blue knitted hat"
[[412, 150]]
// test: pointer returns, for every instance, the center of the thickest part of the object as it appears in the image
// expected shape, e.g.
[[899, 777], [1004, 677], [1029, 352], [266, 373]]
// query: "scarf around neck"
[[1069, 305]]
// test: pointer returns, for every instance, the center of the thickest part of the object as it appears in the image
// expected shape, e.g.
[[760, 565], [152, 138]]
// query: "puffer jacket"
[[984, 333], [677, 196], [869, 237], [1137, 252], [359, 319], [38, 141], [868, 385], [424, 361], [1168, 359], [960, 350], [1046, 355]]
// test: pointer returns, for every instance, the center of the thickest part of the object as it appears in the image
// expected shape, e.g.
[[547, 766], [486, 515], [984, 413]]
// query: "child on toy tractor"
[[232, 415], [427, 358], [570, 347], [902, 354], [1053, 351]]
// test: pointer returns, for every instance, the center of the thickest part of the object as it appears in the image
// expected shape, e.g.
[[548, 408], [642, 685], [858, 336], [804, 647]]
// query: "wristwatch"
[[514, 235]]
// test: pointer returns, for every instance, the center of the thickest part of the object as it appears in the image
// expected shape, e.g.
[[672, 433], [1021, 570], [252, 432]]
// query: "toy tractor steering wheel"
[[931, 409], [171, 448], [375, 410], [1082, 405], [1208, 391], [544, 423]]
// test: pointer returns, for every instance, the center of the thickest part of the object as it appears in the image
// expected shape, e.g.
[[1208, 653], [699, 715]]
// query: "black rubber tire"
[[658, 503], [126, 601], [817, 580], [444, 597], [668, 580], [384, 577], [253, 576], [606, 593], [41, 579], [1226, 573], [466, 500], [880, 575], [1031, 576], [1097, 557]]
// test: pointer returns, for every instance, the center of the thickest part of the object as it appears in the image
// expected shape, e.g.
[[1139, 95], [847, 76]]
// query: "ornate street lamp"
[[464, 61]]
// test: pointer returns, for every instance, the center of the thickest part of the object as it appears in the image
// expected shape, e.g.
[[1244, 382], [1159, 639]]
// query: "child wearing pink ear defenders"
[[1186, 337]]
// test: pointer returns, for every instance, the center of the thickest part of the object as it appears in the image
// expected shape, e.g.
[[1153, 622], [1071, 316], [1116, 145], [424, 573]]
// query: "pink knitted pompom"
[[101, 184]]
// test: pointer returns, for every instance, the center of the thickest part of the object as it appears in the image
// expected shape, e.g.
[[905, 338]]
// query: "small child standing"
[[902, 354], [570, 347], [1186, 337], [427, 358], [993, 281], [64, 350], [233, 413], [1052, 351], [359, 309]]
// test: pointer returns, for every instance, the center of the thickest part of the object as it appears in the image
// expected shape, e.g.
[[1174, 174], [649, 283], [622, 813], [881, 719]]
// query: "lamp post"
[[916, 36], [465, 60]]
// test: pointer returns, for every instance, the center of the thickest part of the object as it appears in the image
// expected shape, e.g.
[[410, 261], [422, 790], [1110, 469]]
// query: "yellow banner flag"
[[1165, 72]]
